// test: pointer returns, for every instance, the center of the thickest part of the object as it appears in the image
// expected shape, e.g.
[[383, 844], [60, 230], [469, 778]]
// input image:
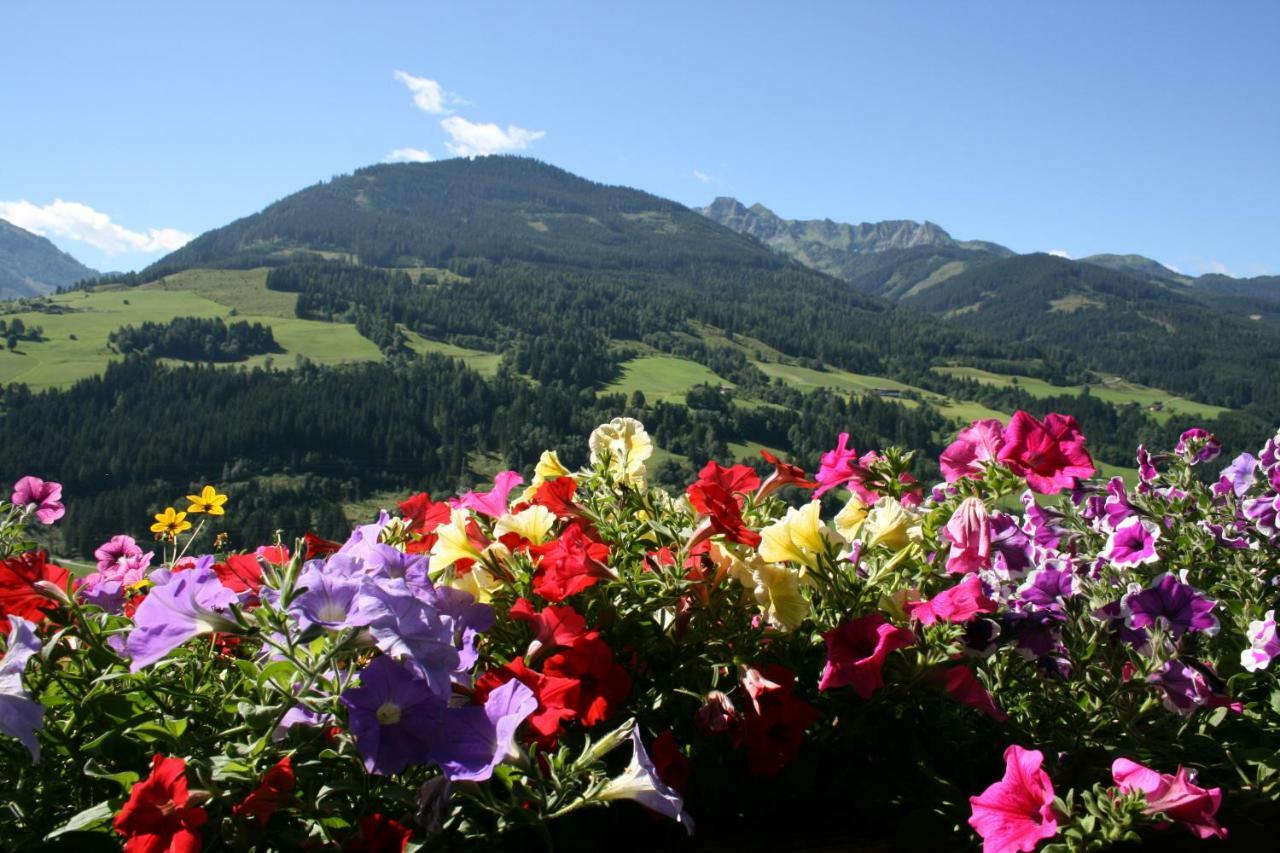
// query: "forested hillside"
[[31, 265]]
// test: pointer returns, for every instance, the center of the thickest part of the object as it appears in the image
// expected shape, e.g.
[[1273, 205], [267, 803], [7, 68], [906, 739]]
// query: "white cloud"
[[1060, 253], [473, 139], [76, 221], [408, 155], [428, 95], [1217, 267], [702, 177]]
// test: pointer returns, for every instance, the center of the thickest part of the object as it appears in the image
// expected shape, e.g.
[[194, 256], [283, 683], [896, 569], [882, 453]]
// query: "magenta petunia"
[[1179, 607], [1198, 445], [974, 445], [1050, 454], [842, 467], [1133, 543], [41, 497], [1016, 813], [856, 652], [1177, 797], [492, 503], [959, 603]]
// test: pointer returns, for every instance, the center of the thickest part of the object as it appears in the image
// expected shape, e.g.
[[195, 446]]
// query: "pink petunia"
[[1133, 543], [980, 442], [1016, 813], [856, 652], [959, 603], [842, 467], [44, 498], [963, 686], [969, 532], [1049, 454], [1176, 797], [492, 503]]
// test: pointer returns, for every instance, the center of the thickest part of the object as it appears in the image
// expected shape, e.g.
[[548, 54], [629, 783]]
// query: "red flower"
[[156, 818], [724, 513], [276, 555], [557, 496], [738, 480], [670, 762], [554, 626], [1016, 813], [274, 792], [240, 573], [1050, 455], [317, 547], [378, 834], [423, 514], [856, 651], [958, 603], [569, 564], [602, 684], [773, 727], [557, 697], [963, 686], [19, 595], [784, 474]]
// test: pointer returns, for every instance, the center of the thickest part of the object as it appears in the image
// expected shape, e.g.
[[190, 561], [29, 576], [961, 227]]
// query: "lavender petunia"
[[20, 715], [298, 715], [640, 782], [474, 740], [41, 497], [394, 715], [328, 597], [408, 628], [1133, 543], [1176, 605], [180, 606], [1238, 477]]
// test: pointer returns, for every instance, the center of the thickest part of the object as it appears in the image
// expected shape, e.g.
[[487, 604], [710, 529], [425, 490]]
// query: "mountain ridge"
[[31, 265]]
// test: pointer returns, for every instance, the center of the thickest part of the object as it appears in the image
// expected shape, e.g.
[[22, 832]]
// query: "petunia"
[[273, 793], [640, 782], [1177, 798], [841, 467], [569, 564], [1011, 550], [1264, 645], [1048, 586], [423, 514], [241, 573], [377, 833], [774, 725], [557, 697], [1198, 445], [42, 498], [978, 443], [473, 740], [622, 445], [1238, 477], [1177, 606], [962, 685], [603, 684], [20, 715], [1133, 543], [856, 652], [178, 608], [1050, 454], [736, 479], [394, 716], [1116, 508], [492, 503], [784, 474], [851, 517], [554, 626], [958, 603], [157, 816], [969, 532], [723, 511], [408, 628], [23, 581], [776, 589], [889, 523], [326, 596], [796, 537], [531, 524], [1183, 686], [1016, 813]]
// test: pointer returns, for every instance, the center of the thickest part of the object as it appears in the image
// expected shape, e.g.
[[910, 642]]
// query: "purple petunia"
[[1048, 586], [1198, 445], [1238, 477], [1184, 687], [394, 715], [1133, 543], [180, 606], [20, 715], [408, 628], [121, 565], [1117, 508], [1264, 644], [42, 498], [473, 740], [1011, 552], [1263, 513], [1176, 605]]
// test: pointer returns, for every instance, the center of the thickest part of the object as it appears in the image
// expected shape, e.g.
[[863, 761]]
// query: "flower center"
[[332, 611], [388, 714]]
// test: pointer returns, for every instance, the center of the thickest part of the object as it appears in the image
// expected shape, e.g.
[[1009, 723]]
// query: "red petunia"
[[378, 834], [670, 761], [723, 511], [317, 547], [569, 564], [602, 684], [737, 479], [557, 496], [19, 595], [423, 514], [1049, 454], [856, 652], [554, 626], [156, 819], [774, 725], [557, 697], [273, 793], [784, 474], [240, 573]]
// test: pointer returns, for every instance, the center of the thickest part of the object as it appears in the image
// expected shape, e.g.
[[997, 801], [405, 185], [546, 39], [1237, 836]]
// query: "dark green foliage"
[[195, 339]]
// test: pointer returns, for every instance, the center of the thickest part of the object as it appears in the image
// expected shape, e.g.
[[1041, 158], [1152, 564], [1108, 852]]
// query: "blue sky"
[[1085, 127]]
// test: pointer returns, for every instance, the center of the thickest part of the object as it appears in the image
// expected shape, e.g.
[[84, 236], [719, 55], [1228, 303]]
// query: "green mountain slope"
[[30, 265]]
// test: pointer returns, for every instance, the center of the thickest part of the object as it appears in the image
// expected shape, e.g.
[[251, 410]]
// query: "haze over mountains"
[[30, 265]]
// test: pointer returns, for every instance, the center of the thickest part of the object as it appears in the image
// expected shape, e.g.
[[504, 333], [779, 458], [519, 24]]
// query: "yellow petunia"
[[170, 523], [776, 590], [208, 501], [797, 537], [849, 520], [549, 467], [453, 543], [624, 444], [891, 524], [532, 523]]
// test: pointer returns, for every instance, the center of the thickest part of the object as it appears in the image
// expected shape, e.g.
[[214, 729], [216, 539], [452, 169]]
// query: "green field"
[[478, 360], [662, 377], [1111, 389]]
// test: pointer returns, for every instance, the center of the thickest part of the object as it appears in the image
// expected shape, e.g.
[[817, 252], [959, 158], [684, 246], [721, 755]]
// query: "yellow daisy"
[[170, 523], [208, 501]]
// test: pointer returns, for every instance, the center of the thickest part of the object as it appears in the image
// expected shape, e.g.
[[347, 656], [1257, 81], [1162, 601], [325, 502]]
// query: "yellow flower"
[[849, 520], [549, 467], [453, 543], [170, 523], [625, 445], [796, 537], [533, 523], [776, 590], [890, 524], [479, 582], [208, 501]]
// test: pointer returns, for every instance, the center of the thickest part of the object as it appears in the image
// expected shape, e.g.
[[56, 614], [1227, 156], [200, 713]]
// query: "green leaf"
[[124, 779], [87, 819]]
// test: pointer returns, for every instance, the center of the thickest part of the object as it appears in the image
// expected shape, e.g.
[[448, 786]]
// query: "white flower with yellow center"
[[625, 445]]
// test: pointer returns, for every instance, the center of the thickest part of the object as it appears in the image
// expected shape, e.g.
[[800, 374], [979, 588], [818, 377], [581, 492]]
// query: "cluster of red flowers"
[[26, 582]]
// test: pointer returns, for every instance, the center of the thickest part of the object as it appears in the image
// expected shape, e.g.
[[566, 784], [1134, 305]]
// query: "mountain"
[[1137, 265], [32, 266], [912, 252]]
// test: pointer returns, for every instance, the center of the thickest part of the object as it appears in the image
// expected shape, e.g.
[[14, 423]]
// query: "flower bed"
[[1018, 657]]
